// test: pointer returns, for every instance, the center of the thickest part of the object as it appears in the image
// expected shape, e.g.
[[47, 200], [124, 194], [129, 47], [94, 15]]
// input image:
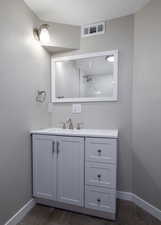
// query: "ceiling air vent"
[[93, 29]]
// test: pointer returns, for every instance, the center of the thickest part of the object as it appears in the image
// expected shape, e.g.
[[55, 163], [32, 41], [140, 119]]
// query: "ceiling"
[[79, 12]]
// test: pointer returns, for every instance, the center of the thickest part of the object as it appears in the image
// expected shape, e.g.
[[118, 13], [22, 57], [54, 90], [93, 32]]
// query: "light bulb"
[[110, 58], [98, 92], [44, 35]]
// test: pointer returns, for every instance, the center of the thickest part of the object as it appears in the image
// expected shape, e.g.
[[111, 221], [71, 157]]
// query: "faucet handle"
[[79, 125], [70, 124], [69, 120], [63, 125]]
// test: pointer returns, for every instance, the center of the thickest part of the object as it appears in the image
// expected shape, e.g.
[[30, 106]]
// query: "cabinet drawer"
[[101, 150], [101, 175], [100, 199]]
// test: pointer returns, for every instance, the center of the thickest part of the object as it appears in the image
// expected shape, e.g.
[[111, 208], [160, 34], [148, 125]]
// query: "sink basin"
[[75, 132]]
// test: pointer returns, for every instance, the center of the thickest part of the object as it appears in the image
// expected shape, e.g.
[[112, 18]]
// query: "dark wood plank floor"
[[128, 214]]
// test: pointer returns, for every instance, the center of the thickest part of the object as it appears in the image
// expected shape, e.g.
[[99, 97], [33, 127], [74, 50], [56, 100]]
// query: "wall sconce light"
[[41, 96], [42, 34]]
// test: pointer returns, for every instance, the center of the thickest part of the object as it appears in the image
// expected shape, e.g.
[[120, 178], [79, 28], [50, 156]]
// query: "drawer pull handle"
[[57, 147], [53, 147], [99, 151], [98, 200]]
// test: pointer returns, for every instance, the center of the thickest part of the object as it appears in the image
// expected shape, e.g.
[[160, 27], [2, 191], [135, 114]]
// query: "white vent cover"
[[93, 29]]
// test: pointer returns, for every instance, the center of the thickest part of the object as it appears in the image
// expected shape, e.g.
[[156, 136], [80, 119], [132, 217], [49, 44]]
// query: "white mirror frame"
[[82, 56]]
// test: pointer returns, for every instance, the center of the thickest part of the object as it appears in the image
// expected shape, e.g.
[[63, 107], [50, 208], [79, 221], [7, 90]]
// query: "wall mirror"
[[85, 78]]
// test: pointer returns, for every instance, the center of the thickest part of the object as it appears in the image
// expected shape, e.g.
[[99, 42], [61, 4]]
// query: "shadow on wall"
[[144, 184], [124, 163]]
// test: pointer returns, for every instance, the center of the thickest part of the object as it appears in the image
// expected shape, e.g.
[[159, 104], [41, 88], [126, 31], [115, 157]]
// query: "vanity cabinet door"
[[44, 167], [70, 177]]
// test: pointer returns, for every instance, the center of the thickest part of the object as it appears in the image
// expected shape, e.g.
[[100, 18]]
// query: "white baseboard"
[[124, 195], [128, 196], [147, 207], [21, 213], [140, 202]]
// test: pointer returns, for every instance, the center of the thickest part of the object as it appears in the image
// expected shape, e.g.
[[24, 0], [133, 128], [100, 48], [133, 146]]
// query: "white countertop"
[[78, 133]]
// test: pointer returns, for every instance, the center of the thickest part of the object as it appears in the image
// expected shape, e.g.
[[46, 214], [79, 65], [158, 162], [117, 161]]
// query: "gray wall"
[[24, 68], [106, 115], [147, 104], [63, 35]]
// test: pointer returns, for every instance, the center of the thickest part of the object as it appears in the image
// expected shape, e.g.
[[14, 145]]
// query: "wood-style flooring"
[[128, 214]]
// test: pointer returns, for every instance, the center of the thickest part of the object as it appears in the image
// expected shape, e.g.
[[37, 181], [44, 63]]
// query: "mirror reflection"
[[90, 77]]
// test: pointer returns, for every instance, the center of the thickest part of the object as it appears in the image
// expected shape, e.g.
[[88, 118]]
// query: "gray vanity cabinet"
[[58, 168], [76, 173]]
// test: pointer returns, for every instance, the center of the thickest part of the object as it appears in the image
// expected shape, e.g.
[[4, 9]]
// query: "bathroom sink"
[[75, 132]]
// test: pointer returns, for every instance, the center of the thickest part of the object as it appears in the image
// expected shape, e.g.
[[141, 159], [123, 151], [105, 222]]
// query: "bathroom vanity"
[[76, 170]]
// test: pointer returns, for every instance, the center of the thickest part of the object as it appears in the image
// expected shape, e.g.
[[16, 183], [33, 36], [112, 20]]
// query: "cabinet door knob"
[[99, 151], [99, 176], [98, 200]]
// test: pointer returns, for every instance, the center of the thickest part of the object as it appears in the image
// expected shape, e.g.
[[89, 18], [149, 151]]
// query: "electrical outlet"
[[76, 108]]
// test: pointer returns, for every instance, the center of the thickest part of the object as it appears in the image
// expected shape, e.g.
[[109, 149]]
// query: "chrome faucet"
[[63, 125], [79, 126], [70, 124]]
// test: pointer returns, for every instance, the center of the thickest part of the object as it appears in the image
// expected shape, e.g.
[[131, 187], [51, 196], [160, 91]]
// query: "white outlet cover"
[[76, 108]]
